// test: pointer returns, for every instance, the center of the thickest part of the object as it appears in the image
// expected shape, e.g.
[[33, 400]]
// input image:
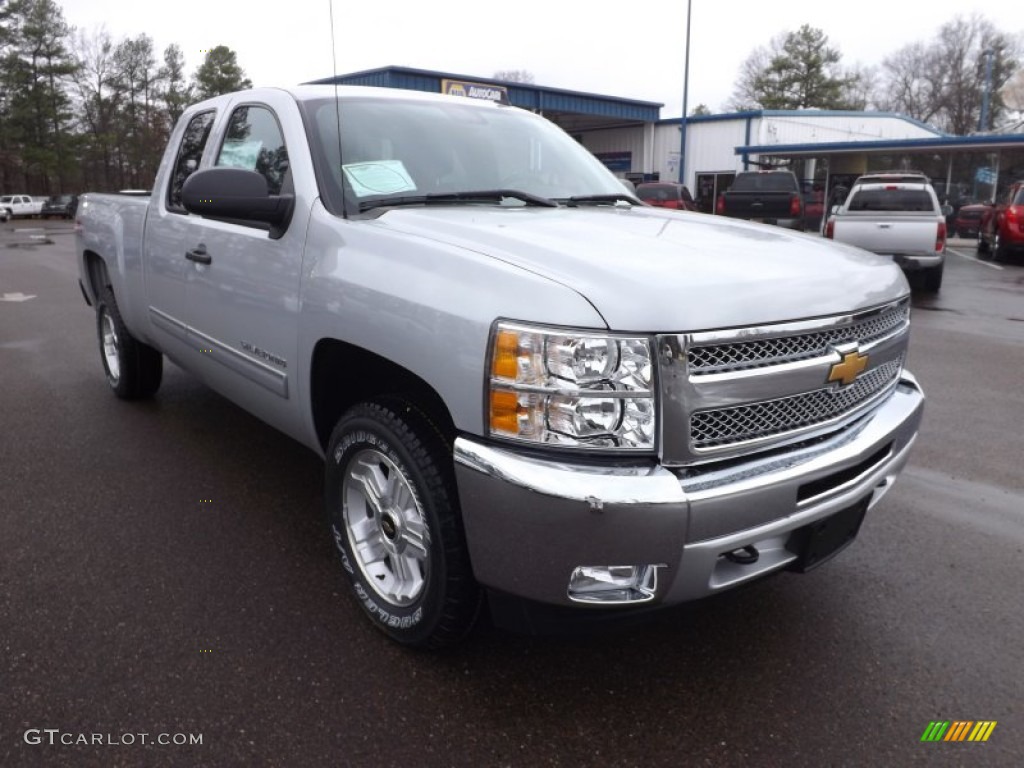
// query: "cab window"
[[190, 153], [253, 141]]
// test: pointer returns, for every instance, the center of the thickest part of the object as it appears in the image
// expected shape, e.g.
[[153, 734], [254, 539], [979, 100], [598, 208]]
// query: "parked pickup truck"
[[527, 386], [12, 206], [895, 215], [773, 197]]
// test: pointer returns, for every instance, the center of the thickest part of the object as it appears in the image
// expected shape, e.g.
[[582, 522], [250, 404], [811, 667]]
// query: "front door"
[[243, 288]]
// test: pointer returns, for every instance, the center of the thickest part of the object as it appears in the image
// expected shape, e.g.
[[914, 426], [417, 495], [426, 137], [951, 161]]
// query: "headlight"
[[568, 388]]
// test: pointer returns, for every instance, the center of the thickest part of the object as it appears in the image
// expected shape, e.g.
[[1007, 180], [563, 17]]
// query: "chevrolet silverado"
[[531, 391]]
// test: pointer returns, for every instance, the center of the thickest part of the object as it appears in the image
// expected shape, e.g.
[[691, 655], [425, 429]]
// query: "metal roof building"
[[573, 110]]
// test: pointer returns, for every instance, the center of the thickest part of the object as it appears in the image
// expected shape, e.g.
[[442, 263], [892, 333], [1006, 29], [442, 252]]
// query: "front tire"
[[982, 245], [392, 507], [998, 249], [134, 370]]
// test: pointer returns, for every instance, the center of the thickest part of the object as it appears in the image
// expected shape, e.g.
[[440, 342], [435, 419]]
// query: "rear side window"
[[1018, 199], [657, 193], [254, 142], [892, 200], [190, 153]]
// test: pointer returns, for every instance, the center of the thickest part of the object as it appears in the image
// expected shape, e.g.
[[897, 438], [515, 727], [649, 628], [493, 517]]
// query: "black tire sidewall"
[[413, 624], [141, 365], [107, 306]]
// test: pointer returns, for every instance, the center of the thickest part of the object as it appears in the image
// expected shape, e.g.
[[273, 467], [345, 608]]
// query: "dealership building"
[[826, 149]]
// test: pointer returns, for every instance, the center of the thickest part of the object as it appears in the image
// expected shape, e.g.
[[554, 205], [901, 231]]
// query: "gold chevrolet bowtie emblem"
[[847, 369]]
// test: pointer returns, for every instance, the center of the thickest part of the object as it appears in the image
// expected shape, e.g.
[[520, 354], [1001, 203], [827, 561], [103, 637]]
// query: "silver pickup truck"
[[895, 214], [529, 388]]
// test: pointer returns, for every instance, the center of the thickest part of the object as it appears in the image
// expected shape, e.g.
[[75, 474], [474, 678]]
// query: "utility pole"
[[686, 88], [983, 119]]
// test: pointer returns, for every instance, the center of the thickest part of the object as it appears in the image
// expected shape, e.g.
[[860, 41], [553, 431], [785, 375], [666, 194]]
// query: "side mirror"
[[237, 195], [947, 210], [834, 209]]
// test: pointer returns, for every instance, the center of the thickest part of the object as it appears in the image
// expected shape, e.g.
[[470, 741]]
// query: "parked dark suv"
[[1003, 232], [665, 194], [60, 205]]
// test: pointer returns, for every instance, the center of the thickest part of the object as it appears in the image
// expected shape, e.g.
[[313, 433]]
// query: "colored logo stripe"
[[982, 730], [958, 730]]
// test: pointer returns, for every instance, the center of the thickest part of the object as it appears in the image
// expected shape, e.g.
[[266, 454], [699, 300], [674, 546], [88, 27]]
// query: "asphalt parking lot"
[[165, 570]]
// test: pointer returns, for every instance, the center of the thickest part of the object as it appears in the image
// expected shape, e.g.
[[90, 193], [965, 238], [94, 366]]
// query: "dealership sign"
[[475, 90]]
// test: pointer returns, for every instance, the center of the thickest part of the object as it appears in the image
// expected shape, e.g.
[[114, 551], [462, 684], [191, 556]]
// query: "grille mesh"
[[769, 418], [737, 356]]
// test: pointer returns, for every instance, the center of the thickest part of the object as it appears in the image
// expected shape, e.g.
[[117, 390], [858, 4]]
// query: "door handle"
[[199, 255]]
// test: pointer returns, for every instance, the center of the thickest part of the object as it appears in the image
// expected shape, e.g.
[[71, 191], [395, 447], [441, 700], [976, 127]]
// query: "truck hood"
[[645, 269]]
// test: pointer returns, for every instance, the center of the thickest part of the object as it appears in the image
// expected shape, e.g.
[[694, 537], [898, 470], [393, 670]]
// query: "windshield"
[[393, 148]]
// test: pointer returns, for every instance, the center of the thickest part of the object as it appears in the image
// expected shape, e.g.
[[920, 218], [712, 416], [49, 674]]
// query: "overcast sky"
[[635, 50]]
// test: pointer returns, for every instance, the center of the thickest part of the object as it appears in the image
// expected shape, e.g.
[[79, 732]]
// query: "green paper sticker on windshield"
[[240, 154], [381, 177]]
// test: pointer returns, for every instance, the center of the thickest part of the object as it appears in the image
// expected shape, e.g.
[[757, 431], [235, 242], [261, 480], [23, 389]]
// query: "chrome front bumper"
[[530, 522]]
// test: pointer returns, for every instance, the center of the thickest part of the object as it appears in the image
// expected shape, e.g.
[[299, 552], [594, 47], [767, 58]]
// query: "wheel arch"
[[343, 374], [96, 273]]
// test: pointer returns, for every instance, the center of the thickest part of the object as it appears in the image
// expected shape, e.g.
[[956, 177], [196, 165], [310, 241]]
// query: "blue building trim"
[[990, 141]]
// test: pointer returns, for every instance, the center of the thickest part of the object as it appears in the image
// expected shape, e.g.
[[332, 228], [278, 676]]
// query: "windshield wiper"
[[614, 197], [474, 196]]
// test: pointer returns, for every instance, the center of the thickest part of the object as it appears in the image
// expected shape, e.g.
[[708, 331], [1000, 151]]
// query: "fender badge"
[[846, 370]]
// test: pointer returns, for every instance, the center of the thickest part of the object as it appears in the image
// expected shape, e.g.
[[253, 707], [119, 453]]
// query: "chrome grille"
[[772, 418], [737, 356]]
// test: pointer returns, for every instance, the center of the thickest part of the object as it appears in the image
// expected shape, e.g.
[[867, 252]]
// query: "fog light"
[[613, 583]]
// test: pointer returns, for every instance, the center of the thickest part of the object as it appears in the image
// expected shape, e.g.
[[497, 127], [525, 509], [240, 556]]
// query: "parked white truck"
[[527, 385], [895, 214], [12, 206]]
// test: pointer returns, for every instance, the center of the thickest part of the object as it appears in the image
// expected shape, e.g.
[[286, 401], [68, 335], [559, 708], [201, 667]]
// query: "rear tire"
[[392, 506], [931, 279], [133, 369]]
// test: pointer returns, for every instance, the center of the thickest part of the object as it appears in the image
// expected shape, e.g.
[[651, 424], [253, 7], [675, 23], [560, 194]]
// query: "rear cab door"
[[168, 227]]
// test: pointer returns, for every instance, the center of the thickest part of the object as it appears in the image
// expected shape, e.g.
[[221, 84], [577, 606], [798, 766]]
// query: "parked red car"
[[665, 194], [969, 219], [1003, 233]]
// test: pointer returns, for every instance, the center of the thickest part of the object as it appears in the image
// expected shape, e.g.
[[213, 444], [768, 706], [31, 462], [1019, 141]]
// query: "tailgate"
[[891, 235], [758, 205]]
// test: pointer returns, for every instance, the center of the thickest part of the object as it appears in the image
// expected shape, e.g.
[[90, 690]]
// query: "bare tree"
[[860, 87], [744, 94], [913, 82], [943, 82], [177, 93], [97, 101], [137, 81]]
